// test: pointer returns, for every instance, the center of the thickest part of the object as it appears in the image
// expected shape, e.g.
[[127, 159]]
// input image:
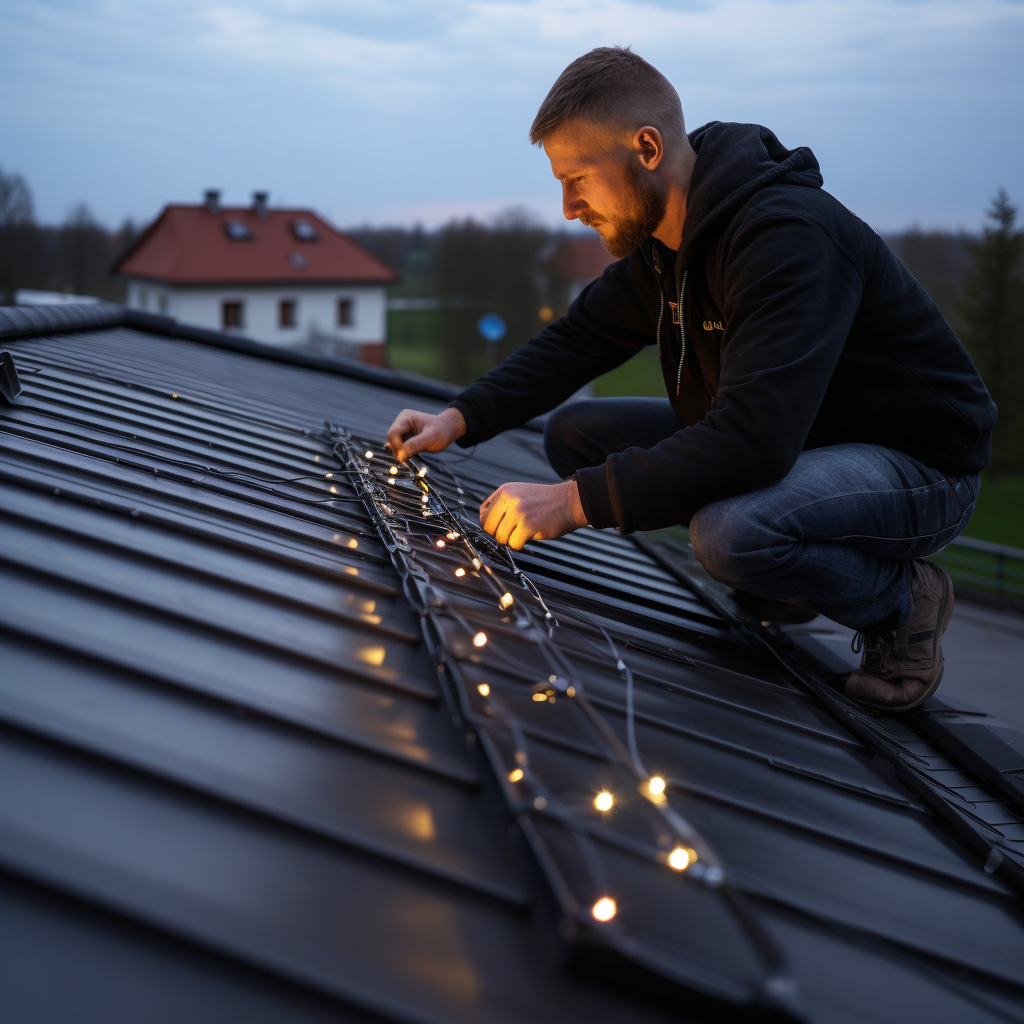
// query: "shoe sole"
[[944, 617]]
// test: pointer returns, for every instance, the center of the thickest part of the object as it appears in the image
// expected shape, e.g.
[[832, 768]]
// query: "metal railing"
[[991, 573]]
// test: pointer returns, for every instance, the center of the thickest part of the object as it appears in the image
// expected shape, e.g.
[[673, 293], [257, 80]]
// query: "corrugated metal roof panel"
[[220, 724]]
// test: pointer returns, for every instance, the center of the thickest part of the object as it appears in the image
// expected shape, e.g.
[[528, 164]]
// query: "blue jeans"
[[836, 534]]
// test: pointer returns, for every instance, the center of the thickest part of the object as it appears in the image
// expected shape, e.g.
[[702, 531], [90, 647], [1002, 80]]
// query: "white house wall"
[[316, 310]]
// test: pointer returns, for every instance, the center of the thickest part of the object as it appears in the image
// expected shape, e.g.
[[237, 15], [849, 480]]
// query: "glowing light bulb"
[[421, 472], [570, 691], [484, 690], [540, 696], [333, 489], [368, 453], [328, 476], [460, 571], [656, 786], [604, 800], [552, 678], [391, 480], [174, 394], [452, 535], [387, 511], [477, 563], [480, 639], [506, 600], [439, 543], [515, 775], [604, 909], [681, 858], [316, 458], [393, 471], [353, 543], [424, 498], [540, 803]]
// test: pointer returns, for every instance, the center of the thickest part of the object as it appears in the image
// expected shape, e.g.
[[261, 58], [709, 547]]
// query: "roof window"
[[298, 261], [304, 231], [237, 231]]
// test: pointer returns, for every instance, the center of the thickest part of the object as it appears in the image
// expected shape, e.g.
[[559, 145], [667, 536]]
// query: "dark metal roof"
[[236, 785]]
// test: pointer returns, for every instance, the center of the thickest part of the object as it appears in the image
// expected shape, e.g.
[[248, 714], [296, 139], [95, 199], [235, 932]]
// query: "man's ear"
[[650, 148]]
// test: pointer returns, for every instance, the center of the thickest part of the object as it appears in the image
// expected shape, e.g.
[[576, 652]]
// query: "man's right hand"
[[414, 432]]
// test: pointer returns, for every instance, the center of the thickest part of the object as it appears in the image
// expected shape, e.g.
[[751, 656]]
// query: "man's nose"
[[572, 207]]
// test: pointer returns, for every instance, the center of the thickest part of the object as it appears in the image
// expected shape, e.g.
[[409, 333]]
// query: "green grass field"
[[640, 377], [999, 515]]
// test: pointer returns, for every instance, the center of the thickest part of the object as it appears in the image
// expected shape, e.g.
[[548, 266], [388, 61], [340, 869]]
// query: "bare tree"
[[19, 248], [82, 253]]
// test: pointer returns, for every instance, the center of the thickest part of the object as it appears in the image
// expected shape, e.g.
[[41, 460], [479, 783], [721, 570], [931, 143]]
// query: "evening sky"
[[396, 111]]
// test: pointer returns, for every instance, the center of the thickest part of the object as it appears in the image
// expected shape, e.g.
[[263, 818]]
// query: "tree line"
[[73, 257], [467, 268]]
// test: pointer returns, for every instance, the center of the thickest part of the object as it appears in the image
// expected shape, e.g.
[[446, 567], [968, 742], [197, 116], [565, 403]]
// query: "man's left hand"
[[516, 513]]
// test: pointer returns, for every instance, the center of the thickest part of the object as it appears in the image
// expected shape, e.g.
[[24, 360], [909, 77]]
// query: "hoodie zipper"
[[682, 331], [661, 297]]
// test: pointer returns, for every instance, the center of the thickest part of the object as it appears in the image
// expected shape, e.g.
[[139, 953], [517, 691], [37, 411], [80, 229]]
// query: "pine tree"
[[992, 326]]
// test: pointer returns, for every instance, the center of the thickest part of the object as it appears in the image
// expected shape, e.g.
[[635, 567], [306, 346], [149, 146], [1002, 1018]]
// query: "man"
[[824, 428]]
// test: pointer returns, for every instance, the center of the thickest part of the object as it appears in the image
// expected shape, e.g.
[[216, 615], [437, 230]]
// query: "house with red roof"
[[281, 276]]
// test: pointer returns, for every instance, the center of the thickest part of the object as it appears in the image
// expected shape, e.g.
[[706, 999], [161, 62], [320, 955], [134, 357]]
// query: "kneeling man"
[[824, 427]]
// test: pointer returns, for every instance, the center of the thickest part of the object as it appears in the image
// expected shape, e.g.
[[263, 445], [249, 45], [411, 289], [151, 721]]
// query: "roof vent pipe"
[[260, 203], [211, 200]]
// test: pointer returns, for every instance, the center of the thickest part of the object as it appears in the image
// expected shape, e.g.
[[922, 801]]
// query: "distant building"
[[281, 276], [35, 297], [574, 262]]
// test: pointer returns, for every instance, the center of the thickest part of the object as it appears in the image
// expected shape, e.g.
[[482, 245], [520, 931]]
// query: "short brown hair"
[[610, 87]]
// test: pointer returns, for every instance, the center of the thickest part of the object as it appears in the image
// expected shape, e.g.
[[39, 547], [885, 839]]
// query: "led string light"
[[255, 478], [389, 498], [458, 533]]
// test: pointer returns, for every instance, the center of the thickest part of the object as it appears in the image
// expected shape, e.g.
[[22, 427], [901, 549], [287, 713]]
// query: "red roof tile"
[[189, 245]]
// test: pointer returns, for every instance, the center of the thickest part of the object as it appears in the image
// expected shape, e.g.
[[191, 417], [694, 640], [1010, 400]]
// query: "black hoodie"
[[799, 328]]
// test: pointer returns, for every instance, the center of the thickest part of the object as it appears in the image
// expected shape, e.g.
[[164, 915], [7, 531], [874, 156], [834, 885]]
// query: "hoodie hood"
[[733, 162]]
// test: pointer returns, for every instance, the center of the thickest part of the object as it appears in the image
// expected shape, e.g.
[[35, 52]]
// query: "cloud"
[[450, 44], [397, 104]]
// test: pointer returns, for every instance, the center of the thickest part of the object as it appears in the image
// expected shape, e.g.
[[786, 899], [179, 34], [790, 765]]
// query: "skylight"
[[304, 231], [237, 231]]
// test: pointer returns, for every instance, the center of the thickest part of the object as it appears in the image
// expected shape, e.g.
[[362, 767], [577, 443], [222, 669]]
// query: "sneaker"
[[901, 668]]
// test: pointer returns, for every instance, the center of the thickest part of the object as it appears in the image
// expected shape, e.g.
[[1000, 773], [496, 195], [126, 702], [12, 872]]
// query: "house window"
[[161, 303], [231, 315], [286, 313], [345, 310]]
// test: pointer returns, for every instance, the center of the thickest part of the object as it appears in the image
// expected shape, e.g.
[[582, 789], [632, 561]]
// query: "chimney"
[[211, 200], [260, 203]]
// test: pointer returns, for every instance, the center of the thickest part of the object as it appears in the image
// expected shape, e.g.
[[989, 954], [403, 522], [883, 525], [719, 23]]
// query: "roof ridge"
[[30, 321]]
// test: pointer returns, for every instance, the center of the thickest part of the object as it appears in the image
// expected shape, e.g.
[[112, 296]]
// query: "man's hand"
[[414, 432], [516, 513]]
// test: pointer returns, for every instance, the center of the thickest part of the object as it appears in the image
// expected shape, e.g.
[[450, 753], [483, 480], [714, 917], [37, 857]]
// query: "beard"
[[645, 210]]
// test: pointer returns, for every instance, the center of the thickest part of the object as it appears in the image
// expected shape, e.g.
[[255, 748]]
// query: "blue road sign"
[[491, 326]]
